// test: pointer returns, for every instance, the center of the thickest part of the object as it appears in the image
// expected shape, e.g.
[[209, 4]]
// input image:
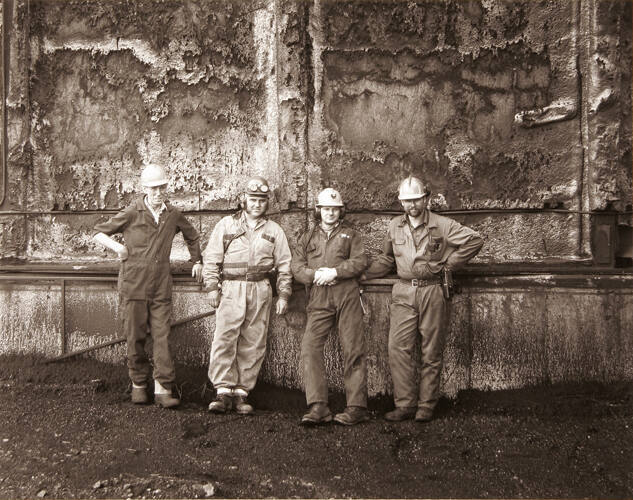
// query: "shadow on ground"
[[70, 431]]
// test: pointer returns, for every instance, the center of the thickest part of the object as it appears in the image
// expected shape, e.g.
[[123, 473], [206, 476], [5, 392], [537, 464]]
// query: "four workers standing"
[[246, 250]]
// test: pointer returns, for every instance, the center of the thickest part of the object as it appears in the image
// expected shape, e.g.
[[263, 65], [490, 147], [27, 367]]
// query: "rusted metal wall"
[[504, 332], [499, 105], [518, 114]]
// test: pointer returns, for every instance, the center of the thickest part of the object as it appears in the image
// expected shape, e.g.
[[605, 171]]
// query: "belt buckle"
[[414, 282], [249, 277]]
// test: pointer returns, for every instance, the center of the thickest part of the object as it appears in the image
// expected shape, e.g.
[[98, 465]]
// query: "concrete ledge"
[[505, 332]]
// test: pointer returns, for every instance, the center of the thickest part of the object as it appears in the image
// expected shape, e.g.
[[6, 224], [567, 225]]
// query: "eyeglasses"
[[255, 186]]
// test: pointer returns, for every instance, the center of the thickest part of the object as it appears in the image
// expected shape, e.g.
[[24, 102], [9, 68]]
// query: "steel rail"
[[475, 211], [123, 339]]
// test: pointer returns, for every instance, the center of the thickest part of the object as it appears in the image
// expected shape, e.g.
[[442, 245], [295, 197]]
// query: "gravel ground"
[[69, 431]]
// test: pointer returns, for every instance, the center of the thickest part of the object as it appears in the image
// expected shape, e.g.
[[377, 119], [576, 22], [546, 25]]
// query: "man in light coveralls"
[[242, 250], [423, 246]]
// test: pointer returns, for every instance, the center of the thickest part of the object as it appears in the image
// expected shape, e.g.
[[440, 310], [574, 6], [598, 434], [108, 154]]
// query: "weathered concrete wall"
[[499, 105], [504, 333], [518, 114], [482, 99]]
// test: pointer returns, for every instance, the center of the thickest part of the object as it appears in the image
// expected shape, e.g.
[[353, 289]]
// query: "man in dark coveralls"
[[145, 282], [422, 245], [329, 259]]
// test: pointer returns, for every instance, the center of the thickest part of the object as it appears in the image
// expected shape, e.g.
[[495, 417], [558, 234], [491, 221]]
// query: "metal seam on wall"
[[499, 211], [7, 9]]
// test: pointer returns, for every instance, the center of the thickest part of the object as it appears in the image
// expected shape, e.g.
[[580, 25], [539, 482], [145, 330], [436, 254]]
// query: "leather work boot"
[[319, 414], [166, 400], [400, 413], [352, 415], [139, 395], [423, 414], [241, 406], [221, 403]]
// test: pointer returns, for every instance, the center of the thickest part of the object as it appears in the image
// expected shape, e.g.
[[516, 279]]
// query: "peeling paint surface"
[[517, 114], [504, 335]]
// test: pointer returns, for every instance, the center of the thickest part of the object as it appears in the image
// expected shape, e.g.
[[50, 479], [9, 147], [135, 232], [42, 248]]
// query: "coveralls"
[[145, 284], [241, 258], [442, 242], [343, 250]]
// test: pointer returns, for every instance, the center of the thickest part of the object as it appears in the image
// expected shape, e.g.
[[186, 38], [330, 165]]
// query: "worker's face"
[[256, 206], [330, 215], [156, 195], [414, 208]]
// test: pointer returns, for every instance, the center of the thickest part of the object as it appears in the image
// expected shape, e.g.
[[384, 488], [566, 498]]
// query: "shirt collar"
[[336, 226], [426, 220], [160, 210], [262, 220]]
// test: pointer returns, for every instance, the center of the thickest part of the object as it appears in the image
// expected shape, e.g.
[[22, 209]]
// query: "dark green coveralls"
[[418, 304], [145, 284], [330, 304]]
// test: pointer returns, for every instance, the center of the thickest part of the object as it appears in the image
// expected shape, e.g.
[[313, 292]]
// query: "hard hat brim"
[[159, 182], [408, 197], [339, 205]]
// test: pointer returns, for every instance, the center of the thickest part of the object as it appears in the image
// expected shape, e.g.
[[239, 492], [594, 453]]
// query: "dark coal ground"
[[69, 431]]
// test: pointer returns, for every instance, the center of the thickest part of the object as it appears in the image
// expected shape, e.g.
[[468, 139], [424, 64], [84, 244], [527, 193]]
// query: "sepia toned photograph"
[[316, 249]]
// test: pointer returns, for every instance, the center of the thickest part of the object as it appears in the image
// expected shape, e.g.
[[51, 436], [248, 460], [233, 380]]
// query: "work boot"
[[241, 406], [166, 400], [352, 415], [400, 413], [221, 403], [424, 414], [319, 414], [139, 395]]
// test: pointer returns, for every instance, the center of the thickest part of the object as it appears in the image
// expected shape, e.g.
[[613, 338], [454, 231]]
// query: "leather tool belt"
[[418, 283], [246, 277]]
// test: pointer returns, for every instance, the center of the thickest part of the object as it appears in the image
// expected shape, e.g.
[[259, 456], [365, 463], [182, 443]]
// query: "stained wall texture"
[[517, 113]]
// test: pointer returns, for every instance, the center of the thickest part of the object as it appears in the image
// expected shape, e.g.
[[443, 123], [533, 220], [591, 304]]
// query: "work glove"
[[214, 298], [282, 306]]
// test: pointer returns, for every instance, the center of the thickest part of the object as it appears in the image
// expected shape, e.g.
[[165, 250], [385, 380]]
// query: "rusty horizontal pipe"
[[221, 212], [123, 339]]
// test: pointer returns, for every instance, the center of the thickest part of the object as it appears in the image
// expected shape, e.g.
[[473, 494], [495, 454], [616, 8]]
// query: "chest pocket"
[[313, 253], [434, 247], [138, 235], [398, 244], [341, 245], [267, 244]]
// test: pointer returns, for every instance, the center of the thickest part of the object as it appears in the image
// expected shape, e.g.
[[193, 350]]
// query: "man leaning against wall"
[[149, 226], [329, 259], [425, 248], [242, 250]]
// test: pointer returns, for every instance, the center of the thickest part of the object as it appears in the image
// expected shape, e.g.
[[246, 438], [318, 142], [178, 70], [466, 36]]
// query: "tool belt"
[[246, 277], [418, 283]]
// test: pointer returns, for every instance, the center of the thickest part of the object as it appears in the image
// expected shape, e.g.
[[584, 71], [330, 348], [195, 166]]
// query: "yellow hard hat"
[[257, 186], [412, 188], [153, 175], [329, 198]]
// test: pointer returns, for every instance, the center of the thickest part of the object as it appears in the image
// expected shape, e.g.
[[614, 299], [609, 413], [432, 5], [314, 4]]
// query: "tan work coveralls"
[[423, 309], [239, 258], [145, 284], [343, 250]]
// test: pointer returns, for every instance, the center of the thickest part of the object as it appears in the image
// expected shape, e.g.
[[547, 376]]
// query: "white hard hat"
[[412, 188], [329, 198], [153, 175]]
